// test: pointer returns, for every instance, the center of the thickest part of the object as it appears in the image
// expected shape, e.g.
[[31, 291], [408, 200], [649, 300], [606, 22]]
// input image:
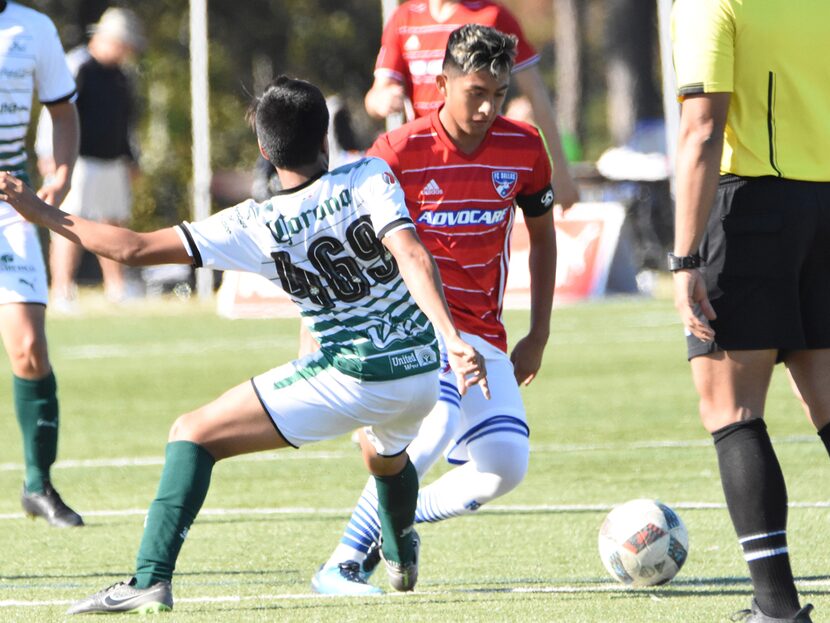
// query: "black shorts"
[[766, 263]]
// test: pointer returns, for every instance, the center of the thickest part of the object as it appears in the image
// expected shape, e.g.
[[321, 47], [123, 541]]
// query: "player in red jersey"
[[463, 169], [411, 56]]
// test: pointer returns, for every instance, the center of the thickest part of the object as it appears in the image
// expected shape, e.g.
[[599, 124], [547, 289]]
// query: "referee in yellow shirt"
[[751, 258]]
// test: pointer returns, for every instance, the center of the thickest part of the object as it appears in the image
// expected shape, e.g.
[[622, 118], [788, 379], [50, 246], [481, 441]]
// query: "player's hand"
[[565, 190], [52, 191], [468, 365], [527, 359], [387, 99], [689, 297], [19, 196]]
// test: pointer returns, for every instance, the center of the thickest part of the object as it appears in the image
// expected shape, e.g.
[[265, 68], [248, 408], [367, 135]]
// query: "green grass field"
[[613, 417]]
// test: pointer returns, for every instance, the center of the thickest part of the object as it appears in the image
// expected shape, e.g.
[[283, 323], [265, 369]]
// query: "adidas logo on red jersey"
[[432, 189]]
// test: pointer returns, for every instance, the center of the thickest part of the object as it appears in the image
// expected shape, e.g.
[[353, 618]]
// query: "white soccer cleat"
[[125, 597]]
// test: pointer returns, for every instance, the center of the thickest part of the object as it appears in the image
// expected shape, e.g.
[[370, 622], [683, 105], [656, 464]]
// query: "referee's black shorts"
[[766, 262]]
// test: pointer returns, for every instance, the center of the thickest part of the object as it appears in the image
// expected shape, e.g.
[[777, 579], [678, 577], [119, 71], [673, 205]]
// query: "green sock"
[[184, 484], [36, 404], [397, 499]]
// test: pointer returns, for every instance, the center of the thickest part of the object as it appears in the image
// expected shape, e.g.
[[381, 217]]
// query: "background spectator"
[[101, 181]]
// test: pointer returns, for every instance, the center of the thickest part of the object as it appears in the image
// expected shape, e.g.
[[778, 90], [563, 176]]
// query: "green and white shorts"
[[309, 400], [22, 272]]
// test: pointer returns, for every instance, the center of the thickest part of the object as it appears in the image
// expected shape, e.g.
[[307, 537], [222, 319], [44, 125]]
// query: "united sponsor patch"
[[504, 182]]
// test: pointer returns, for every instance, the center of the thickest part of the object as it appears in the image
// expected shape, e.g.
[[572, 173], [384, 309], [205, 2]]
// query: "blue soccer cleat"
[[344, 579]]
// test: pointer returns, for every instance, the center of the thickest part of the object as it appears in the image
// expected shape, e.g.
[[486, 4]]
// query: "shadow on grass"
[[369, 607], [127, 574], [681, 587], [310, 518]]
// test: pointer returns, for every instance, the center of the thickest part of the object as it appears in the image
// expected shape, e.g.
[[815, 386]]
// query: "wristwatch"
[[682, 262]]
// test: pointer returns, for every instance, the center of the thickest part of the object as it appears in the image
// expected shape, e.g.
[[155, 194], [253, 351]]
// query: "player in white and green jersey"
[[343, 246], [32, 63], [321, 244]]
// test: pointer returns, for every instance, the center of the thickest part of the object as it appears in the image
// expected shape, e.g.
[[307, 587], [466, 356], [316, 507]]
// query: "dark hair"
[[291, 121], [473, 48]]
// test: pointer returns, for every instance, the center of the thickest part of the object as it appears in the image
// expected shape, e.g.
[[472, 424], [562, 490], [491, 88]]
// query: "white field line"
[[344, 512], [605, 587], [199, 347], [312, 455], [653, 444], [162, 349], [636, 328], [151, 461]]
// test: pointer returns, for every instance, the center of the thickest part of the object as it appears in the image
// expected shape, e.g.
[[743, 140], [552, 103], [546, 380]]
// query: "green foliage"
[[330, 42], [297, 37]]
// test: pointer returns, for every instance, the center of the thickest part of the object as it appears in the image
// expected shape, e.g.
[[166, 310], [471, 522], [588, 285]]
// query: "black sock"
[[757, 500], [824, 433]]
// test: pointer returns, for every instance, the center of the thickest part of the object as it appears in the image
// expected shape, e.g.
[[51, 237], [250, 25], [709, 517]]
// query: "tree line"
[[598, 56]]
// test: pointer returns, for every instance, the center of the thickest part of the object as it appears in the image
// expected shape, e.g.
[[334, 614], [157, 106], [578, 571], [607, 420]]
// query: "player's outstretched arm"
[[116, 243], [421, 276], [527, 354]]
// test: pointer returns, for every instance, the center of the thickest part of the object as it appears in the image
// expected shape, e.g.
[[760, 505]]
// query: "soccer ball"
[[643, 543]]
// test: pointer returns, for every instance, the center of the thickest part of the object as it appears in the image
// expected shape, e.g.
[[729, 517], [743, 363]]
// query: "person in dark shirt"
[[101, 181]]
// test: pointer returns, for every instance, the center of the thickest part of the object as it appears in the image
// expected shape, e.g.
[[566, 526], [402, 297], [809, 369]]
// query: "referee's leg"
[[733, 387], [809, 371]]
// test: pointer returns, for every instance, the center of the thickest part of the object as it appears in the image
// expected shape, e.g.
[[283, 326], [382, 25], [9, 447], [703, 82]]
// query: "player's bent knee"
[[185, 428], [386, 466], [510, 476], [506, 460], [714, 416], [29, 358]]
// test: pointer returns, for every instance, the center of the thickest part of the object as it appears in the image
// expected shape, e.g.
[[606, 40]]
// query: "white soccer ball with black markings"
[[643, 543]]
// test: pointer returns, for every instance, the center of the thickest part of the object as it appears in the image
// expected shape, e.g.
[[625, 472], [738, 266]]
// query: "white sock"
[[498, 463]]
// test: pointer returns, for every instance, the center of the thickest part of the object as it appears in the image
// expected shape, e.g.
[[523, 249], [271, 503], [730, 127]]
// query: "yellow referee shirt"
[[773, 56]]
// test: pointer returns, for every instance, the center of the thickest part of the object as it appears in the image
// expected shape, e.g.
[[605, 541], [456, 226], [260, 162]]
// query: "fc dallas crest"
[[504, 181]]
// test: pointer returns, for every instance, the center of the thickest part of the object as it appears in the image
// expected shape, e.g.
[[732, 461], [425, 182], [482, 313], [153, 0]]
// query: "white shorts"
[[22, 272], [100, 190], [503, 413], [309, 400]]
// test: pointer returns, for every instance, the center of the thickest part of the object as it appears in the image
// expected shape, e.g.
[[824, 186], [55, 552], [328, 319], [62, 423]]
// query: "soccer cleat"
[[344, 579], [404, 575], [125, 597], [50, 506], [370, 563], [756, 615]]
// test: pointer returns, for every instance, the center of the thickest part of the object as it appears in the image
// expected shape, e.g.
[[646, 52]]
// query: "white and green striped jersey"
[[321, 243], [31, 57]]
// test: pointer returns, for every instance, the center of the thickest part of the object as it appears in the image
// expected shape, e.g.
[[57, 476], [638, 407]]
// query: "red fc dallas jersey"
[[463, 207], [413, 45]]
